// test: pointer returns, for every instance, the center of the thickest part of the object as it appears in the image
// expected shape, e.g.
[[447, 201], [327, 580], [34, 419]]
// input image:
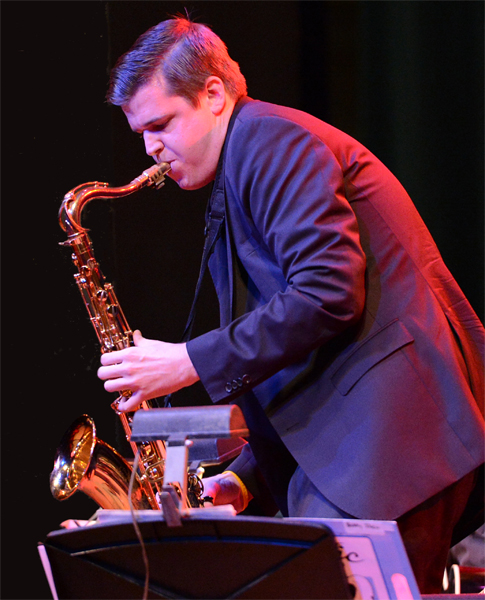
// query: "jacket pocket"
[[369, 353]]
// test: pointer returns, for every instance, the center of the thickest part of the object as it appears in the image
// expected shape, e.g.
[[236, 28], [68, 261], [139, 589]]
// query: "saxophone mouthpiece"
[[156, 174]]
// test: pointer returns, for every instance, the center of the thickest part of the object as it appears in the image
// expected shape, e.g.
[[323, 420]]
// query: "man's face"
[[188, 138]]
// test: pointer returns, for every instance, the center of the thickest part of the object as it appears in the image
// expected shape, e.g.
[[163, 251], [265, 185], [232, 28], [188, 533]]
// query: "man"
[[355, 357]]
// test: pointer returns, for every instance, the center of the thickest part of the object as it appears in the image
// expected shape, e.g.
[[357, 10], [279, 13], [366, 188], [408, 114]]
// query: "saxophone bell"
[[85, 463]]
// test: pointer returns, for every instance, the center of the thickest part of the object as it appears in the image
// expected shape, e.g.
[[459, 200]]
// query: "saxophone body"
[[83, 462]]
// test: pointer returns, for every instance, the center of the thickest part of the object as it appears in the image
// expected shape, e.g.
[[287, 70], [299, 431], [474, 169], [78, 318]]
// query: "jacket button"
[[246, 379], [228, 387]]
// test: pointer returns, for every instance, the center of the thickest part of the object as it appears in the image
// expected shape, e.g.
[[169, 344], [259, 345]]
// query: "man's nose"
[[153, 144]]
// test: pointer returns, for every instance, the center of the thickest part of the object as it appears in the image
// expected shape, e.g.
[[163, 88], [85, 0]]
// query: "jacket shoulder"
[[276, 119], [257, 109]]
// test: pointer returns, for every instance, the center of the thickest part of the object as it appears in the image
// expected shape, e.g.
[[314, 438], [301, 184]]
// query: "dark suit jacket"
[[339, 319]]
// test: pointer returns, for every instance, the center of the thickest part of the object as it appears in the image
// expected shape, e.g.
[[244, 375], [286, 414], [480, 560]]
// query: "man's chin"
[[190, 186], [185, 184], [179, 180]]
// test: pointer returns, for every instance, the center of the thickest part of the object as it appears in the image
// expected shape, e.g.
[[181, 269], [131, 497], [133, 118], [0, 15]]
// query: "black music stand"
[[195, 553], [235, 557]]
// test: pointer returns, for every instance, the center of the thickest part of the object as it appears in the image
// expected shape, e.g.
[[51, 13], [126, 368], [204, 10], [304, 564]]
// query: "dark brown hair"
[[185, 53]]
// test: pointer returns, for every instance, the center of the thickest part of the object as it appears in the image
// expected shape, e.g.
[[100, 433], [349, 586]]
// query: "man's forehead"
[[152, 91], [149, 104]]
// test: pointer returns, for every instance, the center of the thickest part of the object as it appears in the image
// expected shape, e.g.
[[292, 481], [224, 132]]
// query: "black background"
[[405, 78]]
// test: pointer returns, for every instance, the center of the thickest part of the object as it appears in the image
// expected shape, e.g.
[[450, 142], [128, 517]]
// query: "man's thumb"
[[138, 339]]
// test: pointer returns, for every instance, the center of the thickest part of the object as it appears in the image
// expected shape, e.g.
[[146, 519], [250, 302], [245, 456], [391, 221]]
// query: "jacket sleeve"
[[246, 468], [288, 189]]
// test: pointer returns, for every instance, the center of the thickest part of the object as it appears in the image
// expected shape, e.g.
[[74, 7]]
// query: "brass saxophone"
[[84, 462]]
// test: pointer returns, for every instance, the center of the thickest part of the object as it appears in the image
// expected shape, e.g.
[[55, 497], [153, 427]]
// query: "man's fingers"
[[129, 403], [114, 385], [109, 372], [111, 358]]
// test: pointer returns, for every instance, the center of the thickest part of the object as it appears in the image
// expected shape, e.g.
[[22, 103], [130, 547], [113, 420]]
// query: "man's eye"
[[156, 128], [159, 127]]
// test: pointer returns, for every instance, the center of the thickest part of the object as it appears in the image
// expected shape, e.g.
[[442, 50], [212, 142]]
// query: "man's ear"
[[216, 94]]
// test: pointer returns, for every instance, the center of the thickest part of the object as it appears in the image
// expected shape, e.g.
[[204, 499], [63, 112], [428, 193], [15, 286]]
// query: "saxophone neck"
[[73, 204], [76, 199]]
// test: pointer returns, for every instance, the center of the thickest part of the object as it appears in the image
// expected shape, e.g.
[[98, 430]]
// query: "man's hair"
[[185, 53]]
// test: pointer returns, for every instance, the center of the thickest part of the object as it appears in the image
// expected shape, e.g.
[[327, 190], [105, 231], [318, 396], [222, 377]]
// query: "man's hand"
[[148, 369], [226, 488]]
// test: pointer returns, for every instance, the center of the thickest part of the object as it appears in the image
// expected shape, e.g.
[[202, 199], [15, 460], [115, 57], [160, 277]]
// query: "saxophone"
[[84, 462]]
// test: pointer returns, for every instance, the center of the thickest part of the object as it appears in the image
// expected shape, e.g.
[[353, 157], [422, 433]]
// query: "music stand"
[[194, 553], [237, 557]]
